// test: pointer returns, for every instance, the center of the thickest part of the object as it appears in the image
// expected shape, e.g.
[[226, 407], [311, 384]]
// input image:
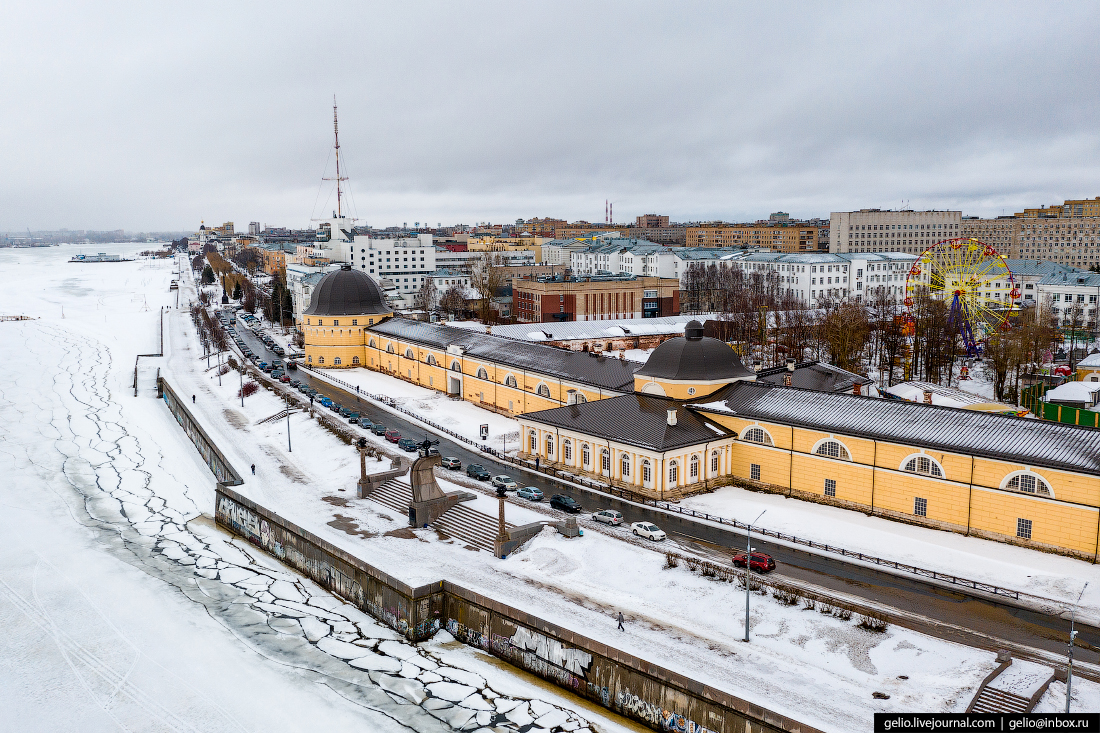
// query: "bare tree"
[[426, 297], [844, 332], [453, 301], [487, 277]]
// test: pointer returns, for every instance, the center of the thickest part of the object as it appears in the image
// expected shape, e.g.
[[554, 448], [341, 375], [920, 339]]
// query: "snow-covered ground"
[[123, 606]]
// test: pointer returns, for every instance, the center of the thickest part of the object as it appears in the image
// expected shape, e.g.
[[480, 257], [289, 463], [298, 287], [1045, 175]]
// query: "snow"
[[1074, 392], [122, 602], [1022, 678], [1037, 573]]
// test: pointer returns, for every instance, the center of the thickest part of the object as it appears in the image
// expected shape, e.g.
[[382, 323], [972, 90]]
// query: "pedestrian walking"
[[192, 399], [253, 469], [536, 463], [621, 621]]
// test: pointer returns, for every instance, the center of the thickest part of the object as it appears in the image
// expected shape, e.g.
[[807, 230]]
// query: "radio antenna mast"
[[336, 132]]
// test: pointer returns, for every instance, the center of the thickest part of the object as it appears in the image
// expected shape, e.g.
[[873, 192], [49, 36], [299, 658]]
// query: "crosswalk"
[[461, 522]]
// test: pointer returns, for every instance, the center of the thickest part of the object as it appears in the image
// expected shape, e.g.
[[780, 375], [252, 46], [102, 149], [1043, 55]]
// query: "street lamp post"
[[287, 395], [748, 568], [240, 373], [1072, 638]]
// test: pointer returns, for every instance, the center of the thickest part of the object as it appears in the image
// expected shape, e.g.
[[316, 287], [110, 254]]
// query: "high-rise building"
[[254, 228], [780, 235], [999, 233], [878, 230]]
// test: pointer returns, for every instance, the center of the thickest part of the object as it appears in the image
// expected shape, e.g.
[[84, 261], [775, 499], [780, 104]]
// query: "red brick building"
[[545, 300]]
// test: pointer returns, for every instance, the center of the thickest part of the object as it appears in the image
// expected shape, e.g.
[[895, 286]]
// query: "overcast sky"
[[152, 116]]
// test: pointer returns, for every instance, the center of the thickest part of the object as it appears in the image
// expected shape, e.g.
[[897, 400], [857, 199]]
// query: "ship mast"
[[336, 132]]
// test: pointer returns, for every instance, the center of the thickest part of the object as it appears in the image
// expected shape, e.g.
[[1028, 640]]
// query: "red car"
[[393, 436], [761, 563], [284, 378]]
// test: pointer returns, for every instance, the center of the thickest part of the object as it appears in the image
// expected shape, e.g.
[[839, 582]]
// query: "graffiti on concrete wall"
[[655, 715], [548, 658], [466, 635]]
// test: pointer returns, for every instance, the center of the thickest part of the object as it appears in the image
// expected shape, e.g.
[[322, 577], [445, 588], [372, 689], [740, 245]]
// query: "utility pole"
[[748, 568], [338, 179], [287, 395], [1072, 639]]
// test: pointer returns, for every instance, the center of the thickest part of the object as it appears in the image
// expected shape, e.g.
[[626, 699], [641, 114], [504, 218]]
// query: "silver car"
[[647, 530], [608, 516], [531, 493], [504, 482]]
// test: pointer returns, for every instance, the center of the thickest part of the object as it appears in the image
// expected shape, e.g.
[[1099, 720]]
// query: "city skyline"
[[153, 122]]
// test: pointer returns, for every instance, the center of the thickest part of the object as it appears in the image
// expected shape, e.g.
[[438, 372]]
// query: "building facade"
[[999, 233], [877, 230], [545, 300], [778, 235]]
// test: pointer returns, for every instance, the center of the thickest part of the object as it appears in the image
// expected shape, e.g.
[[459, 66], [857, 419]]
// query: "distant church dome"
[[347, 292], [692, 359]]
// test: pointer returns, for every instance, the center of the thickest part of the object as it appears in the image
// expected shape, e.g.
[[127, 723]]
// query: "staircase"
[[991, 700], [461, 522]]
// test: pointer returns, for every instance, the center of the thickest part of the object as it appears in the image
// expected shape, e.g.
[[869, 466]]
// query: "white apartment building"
[[875, 230], [407, 262], [1071, 297], [445, 259], [300, 281], [828, 278]]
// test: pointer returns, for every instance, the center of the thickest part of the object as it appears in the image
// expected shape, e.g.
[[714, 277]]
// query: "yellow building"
[[1031, 482], [342, 306]]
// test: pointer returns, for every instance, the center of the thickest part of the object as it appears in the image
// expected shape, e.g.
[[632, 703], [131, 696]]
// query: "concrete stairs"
[[461, 522], [991, 700]]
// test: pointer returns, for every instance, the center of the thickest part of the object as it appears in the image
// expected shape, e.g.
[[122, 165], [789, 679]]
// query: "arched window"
[[309, 359], [336, 361], [509, 381], [320, 360], [693, 467], [1027, 482], [673, 472], [543, 390], [371, 344], [482, 374], [567, 450], [923, 464], [455, 366], [409, 354], [549, 445], [714, 463], [832, 449], [757, 435], [389, 349], [605, 461], [586, 455], [626, 466], [533, 441], [355, 360], [647, 473], [431, 360]]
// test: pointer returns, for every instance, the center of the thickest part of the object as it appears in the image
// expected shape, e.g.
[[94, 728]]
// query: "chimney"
[[672, 417], [857, 389], [790, 365], [928, 397], [787, 379]]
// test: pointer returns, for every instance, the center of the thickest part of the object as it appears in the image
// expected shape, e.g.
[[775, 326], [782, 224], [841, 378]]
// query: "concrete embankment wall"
[[632, 687]]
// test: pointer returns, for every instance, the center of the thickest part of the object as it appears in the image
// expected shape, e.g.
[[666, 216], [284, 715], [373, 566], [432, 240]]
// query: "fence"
[[1032, 399], [628, 495]]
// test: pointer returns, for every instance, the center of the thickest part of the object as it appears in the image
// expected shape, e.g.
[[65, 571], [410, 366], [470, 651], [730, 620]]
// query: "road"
[[910, 594]]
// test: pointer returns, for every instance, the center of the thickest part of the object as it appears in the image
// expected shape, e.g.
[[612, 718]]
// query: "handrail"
[[667, 506]]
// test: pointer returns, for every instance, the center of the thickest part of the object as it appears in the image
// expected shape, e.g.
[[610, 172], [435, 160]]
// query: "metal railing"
[[672, 508]]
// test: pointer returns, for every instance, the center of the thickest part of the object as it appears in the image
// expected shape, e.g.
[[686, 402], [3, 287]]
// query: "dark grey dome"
[[694, 358], [347, 292]]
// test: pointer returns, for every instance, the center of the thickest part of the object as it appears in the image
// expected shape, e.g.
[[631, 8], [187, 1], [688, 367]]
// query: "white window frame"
[[831, 439], [1039, 481], [769, 441], [917, 456]]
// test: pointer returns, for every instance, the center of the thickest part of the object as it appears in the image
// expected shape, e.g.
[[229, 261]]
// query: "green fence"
[[1032, 399]]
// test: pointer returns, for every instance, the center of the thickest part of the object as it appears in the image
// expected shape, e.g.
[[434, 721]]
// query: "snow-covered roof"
[[1073, 392], [945, 396], [1092, 360], [577, 330]]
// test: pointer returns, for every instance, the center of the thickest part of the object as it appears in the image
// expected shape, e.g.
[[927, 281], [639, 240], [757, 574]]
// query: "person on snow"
[[253, 469], [192, 399], [621, 621]]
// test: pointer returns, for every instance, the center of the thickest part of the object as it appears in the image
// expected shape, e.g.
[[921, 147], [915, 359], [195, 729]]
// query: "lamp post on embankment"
[[748, 568]]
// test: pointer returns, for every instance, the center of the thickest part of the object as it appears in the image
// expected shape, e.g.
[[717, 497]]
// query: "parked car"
[[647, 530], [476, 471], [345, 411], [378, 428], [393, 436], [262, 365], [407, 444], [609, 516], [284, 378], [268, 368], [292, 365], [325, 401], [504, 482], [279, 350], [276, 373], [353, 418], [451, 462], [565, 503], [294, 383], [531, 493], [760, 562]]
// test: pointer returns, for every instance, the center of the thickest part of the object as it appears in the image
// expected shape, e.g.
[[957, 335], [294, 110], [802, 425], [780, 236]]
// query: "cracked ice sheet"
[[72, 438]]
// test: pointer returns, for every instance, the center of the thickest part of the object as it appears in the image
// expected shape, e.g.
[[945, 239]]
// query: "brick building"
[[544, 300]]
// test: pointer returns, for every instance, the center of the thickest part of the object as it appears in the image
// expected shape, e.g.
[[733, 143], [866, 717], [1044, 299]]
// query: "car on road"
[[378, 428], [504, 482], [565, 503], [345, 411], [262, 365], [760, 563], [451, 462], [326, 402], [609, 516], [279, 350], [292, 365], [294, 383], [531, 493], [284, 378], [268, 368], [647, 530], [477, 471], [353, 418], [393, 436], [407, 444]]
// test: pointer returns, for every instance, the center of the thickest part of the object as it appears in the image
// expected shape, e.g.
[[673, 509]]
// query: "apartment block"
[[999, 233], [878, 230], [778, 235]]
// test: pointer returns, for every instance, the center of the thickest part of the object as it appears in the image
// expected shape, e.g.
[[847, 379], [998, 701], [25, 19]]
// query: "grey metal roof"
[[598, 330], [1020, 440], [347, 292], [694, 359], [634, 419], [1033, 268], [576, 366], [816, 376]]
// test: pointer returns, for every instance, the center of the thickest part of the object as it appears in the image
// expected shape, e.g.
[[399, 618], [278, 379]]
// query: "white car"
[[505, 482], [647, 530], [608, 516]]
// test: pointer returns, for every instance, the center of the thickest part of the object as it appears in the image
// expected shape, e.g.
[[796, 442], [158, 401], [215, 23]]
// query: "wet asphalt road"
[[1021, 626]]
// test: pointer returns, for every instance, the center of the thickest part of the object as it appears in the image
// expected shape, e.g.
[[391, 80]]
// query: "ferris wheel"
[[975, 278]]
